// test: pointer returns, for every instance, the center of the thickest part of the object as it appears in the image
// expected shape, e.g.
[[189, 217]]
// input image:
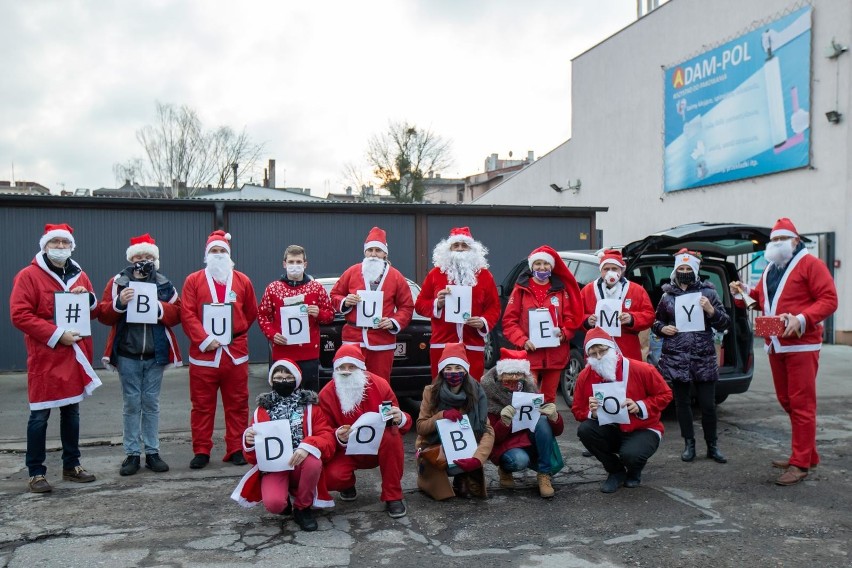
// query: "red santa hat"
[[541, 253], [783, 228], [460, 234], [350, 353], [688, 258], [61, 230], [290, 366], [513, 362], [218, 239], [144, 244], [454, 354], [376, 238], [610, 256], [597, 336]]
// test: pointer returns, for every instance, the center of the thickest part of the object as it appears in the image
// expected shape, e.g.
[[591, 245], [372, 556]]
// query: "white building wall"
[[616, 148]]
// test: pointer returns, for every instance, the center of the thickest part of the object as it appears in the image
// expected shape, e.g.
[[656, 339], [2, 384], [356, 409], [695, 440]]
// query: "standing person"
[[59, 369], [141, 352], [623, 449], [375, 274], [294, 288], [353, 391], [637, 312], [797, 287], [313, 442], [688, 359], [214, 367], [462, 261], [546, 285], [453, 394]]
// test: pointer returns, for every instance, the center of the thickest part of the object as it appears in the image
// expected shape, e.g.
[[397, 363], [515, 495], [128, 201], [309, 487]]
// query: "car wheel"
[[490, 351], [720, 398], [570, 374]]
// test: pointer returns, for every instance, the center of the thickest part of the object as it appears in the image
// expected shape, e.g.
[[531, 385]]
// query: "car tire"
[[569, 375]]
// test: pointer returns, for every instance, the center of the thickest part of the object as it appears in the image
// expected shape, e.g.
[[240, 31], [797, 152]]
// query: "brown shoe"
[[506, 479], [784, 464], [545, 487], [38, 484], [77, 475], [791, 476]]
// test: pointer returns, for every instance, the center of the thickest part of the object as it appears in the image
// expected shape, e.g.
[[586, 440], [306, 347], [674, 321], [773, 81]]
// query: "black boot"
[[713, 452], [688, 450], [305, 519]]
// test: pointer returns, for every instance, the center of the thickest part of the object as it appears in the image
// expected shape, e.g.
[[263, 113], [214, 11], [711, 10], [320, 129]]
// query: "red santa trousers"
[[379, 362], [548, 382], [475, 358], [340, 471], [794, 375], [276, 486], [204, 382]]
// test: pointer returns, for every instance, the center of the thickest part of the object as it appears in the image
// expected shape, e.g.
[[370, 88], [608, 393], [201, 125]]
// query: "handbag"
[[433, 455], [556, 461]]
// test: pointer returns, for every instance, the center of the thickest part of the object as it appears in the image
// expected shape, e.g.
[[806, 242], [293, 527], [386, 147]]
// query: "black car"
[[649, 263]]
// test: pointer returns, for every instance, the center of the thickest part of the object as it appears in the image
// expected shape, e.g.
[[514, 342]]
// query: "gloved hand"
[[453, 414], [549, 410], [468, 464], [506, 414]]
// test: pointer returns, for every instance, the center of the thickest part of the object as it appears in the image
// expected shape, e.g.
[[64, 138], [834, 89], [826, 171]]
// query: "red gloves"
[[468, 464], [453, 414]]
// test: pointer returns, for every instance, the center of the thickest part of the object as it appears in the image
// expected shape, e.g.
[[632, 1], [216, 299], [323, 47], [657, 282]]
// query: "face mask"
[[612, 277], [685, 278], [542, 274], [59, 255], [513, 386], [454, 378], [284, 388], [295, 270], [144, 267], [779, 252]]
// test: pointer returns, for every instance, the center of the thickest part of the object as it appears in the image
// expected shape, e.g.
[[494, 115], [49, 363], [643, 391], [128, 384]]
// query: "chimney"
[[272, 174], [530, 156], [349, 190], [265, 179]]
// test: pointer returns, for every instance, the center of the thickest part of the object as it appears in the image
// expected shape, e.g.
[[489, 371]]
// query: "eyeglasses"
[[597, 352]]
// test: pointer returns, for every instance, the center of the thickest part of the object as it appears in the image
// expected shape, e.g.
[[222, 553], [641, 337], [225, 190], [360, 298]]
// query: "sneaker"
[[396, 509], [237, 458], [613, 482], [506, 479], [38, 484], [200, 461], [155, 463], [545, 487], [305, 519], [129, 466], [77, 475], [349, 494]]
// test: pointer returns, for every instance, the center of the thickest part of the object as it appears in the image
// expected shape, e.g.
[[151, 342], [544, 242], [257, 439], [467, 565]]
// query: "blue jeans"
[[140, 388], [519, 459], [69, 433]]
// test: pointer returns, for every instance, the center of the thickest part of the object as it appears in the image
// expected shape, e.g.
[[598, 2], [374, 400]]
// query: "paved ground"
[[699, 514]]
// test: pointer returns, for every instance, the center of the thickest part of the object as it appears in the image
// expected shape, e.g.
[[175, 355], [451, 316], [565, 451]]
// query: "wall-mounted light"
[[568, 186], [835, 50], [833, 116]]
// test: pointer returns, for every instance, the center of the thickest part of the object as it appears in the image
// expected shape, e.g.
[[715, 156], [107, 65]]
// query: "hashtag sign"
[[73, 314]]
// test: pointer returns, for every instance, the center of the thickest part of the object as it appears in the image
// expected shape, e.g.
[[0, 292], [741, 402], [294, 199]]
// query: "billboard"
[[742, 109]]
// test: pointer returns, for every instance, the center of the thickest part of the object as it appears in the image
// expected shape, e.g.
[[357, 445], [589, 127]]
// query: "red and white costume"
[[269, 316]]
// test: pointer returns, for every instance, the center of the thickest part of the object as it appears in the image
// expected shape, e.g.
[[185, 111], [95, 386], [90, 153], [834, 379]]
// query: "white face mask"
[[59, 256], [611, 277], [295, 270], [779, 253]]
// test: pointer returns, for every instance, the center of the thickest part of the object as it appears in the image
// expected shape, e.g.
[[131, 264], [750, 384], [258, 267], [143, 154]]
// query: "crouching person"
[[453, 394], [517, 451], [313, 441]]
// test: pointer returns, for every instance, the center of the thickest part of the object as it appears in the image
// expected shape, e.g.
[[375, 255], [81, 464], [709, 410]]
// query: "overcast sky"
[[312, 80]]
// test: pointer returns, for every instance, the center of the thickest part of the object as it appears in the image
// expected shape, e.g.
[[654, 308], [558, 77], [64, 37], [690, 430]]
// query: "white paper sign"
[[366, 435], [273, 445], [610, 397], [369, 308], [294, 324], [71, 313], [458, 304], [688, 313], [458, 442], [527, 412], [542, 332], [218, 322], [608, 312], [143, 307]]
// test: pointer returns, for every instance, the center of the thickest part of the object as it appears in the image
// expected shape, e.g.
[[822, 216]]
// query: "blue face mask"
[[542, 274], [454, 378]]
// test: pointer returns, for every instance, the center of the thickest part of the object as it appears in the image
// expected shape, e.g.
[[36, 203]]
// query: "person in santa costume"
[[460, 260], [59, 369], [453, 395], [797, 287], [546, 285], [637, 312], [312, 439], [375, 274], [623, 449], [352, 392], [517, 451], [296, 288], [214, 367], [140, 351]]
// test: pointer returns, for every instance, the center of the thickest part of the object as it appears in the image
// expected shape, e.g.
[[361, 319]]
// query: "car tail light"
[[422, 346]]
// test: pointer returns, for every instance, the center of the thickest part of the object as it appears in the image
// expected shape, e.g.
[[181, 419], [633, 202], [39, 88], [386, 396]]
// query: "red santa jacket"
[[199, 289], [806, 289], [565, 311], [398, 307], [376, 391], [645, 386], [634, 301], [486, 304], [269, 316], [57, 375]]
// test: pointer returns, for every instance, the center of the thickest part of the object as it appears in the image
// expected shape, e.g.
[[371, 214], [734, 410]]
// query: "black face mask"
[[685, 278], [284, 388], [144, 267]]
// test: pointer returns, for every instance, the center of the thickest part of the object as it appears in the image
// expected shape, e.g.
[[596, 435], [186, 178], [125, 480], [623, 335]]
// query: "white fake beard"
[[779, 253], [605, 366], [350, 389], [372, 268], [219, 267], [460, 266]]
